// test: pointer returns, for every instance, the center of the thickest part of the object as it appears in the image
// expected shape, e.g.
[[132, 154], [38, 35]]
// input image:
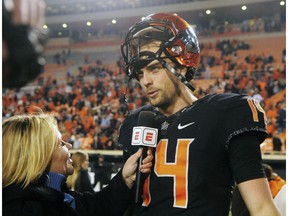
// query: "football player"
[[205, 145]]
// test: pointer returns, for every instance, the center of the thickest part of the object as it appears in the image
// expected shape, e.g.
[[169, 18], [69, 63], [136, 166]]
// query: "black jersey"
[[192, 172]]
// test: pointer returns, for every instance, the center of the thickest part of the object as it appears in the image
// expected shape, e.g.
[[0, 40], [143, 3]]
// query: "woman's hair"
[[28, 142], [78, 158]]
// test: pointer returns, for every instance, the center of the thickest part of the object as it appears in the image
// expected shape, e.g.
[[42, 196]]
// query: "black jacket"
[[83, 182], [43, 201]]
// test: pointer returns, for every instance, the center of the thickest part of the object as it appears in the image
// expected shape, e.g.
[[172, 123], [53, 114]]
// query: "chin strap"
[[179, 76], [123, 98]]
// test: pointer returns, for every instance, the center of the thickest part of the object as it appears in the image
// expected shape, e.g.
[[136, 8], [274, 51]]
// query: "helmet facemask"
[[180, 45]]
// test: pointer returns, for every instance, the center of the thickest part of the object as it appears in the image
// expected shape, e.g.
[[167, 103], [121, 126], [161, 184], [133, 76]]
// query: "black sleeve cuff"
[[245, 158]]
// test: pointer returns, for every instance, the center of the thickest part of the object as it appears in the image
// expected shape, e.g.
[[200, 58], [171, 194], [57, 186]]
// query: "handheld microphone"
[[144, 135]]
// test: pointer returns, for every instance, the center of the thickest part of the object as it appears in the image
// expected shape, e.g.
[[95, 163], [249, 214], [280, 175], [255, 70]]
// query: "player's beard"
[[166, 98]]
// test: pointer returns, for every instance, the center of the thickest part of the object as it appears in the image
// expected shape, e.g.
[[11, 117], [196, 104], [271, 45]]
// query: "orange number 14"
[[178, 170]]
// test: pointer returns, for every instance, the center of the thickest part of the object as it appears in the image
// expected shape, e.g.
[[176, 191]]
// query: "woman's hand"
[[129, 169]]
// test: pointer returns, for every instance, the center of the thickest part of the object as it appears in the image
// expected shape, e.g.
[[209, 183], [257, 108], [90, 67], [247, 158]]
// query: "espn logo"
[[145, 136]]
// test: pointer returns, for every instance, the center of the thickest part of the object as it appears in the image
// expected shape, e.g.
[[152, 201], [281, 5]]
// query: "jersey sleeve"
[[245, 158], [242, 114], [242, 126]]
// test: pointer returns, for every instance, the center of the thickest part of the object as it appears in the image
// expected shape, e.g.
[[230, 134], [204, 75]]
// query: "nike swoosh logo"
[[180, 127]]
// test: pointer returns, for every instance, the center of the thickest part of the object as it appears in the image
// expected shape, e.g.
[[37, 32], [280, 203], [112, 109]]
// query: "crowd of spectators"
[[90, 107], [256, 24]]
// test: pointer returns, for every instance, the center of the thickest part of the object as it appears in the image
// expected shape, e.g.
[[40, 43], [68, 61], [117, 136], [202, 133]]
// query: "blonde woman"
[[36, 162], [80, 180]]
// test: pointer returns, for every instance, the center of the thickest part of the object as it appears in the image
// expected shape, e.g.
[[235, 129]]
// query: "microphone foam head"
[[147, 119]]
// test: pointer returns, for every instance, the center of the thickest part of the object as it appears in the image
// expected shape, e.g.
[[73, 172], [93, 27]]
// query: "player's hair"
[[28, 142]]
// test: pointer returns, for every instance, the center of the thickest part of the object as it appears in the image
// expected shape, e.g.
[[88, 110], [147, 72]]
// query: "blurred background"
[[243, 50]]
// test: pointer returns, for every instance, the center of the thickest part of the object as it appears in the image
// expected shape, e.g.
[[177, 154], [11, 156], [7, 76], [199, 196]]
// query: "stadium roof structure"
[[76, 13]]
